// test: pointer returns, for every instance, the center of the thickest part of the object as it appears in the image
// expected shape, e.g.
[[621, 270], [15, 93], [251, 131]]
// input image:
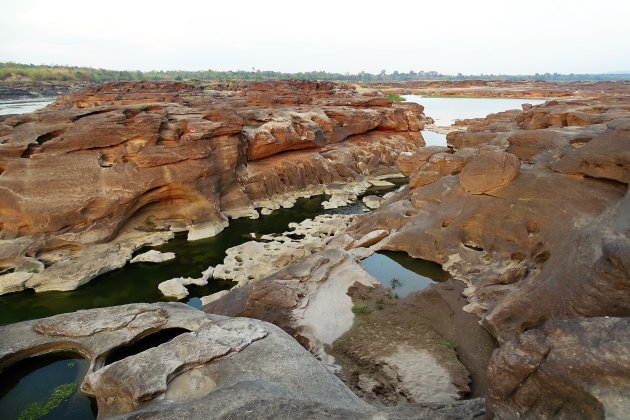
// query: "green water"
[[401, 273], [139, 282], [33, 380]]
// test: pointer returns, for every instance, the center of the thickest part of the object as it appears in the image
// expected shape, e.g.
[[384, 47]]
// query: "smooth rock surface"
[[153, 256]]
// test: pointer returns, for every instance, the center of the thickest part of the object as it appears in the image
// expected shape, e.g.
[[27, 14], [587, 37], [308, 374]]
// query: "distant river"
[[446, 110], [22, 106]]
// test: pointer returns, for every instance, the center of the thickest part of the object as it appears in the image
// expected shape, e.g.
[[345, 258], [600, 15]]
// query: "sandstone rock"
[[408, 162], [264, 363], [464, 139], [173, 288], [254, 260], [176, 288], [574, 368], [153, 256], [183, 153], [215, 296], [380, 183], [14, 282], [488, 171], [371, 238], [372, 201], [537, 244], [606, 156], [307, 298]]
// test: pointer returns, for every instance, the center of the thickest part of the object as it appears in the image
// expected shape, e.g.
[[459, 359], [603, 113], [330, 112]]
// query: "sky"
[[447, 36]]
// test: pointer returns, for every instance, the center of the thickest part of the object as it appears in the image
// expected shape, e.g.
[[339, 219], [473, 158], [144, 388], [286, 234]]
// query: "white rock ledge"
[[153, 256]]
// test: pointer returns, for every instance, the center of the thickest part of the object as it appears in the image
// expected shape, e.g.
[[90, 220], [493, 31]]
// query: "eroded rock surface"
[[532, 213], [225, 366], [169, 156], [577, 368]]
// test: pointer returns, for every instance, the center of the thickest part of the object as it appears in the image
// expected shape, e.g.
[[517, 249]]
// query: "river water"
[[446, 110], [22, 106]]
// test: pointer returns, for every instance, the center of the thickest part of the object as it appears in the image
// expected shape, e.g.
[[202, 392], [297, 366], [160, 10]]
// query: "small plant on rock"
[[40, 409], [360, 308], [395, 97]]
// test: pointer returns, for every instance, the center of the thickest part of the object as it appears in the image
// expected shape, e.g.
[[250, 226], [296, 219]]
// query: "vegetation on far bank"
[[395, 97], [30, 72]]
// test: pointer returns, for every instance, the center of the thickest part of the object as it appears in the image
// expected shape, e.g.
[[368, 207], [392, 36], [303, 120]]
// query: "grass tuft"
[[394, 97], [360, 308]]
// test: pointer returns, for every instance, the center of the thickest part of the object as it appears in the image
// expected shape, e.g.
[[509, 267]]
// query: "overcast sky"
[[471, 37]]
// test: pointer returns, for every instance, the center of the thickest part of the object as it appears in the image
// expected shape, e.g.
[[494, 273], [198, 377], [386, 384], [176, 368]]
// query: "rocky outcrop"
[[577, 368], [503, 88], [307, 298], [170, 156], [202, 364], [535, 220]]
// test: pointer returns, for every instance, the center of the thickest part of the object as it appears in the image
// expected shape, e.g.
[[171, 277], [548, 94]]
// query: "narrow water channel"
[[139, 282]]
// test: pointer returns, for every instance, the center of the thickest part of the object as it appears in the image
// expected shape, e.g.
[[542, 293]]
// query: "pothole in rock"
[[410, 340], [46, 386], [145, 343], [401, 273]]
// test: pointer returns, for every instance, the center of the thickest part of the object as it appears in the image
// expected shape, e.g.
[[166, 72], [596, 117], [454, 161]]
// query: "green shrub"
[[360, 308], [394, 97]]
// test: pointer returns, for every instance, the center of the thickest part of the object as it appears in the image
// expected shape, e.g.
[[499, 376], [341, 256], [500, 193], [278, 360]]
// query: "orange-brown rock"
[[537, 224], [489, 170], [504, 88], [171, 155]]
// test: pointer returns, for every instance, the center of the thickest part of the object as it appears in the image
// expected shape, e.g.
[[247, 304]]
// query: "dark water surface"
[[138, 282], [33, 380]]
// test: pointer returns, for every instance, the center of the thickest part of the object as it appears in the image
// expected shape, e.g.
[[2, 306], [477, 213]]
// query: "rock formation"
[[121, 158], [206, 364], [532, 212]]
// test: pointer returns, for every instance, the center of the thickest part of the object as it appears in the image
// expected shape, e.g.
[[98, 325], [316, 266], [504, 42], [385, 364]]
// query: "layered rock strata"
[[169, 156]]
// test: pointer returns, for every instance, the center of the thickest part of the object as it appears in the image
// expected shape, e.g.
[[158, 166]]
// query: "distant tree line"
[[16, 72]]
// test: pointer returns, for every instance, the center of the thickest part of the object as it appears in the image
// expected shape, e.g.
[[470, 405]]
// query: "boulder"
[[489, 171], [153, 256]]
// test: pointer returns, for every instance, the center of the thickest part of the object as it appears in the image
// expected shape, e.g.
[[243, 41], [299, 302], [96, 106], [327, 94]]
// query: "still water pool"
[[46, 385], [401, 273]]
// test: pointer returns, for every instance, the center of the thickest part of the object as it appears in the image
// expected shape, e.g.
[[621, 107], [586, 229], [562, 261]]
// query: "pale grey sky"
[[448, 36]]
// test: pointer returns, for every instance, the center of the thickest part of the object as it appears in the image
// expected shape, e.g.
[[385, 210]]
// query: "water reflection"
[[402, 273]]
